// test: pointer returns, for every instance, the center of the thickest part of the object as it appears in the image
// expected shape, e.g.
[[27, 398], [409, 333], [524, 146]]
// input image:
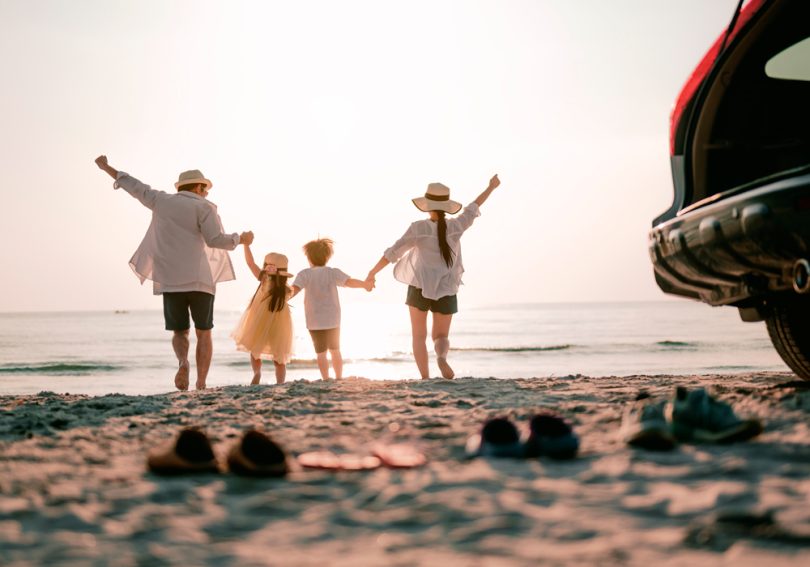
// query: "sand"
[[74, 489]]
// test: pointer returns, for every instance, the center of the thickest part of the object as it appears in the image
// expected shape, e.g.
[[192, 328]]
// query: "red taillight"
[[703, 68]]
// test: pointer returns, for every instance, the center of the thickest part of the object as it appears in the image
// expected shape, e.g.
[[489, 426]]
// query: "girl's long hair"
[[444, 247], [278, 293]]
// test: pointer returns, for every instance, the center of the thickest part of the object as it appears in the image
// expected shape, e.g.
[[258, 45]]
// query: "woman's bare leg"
[[419, 336], [256, 365], [281, 372], [337, 363], [441, 342], [323, 365]]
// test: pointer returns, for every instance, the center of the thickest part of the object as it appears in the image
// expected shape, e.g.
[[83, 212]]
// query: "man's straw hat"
[[192, 177]]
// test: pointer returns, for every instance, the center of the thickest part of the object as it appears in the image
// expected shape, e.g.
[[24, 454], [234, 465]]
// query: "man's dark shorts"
[[176, 306], [323, 339], [446, 305]]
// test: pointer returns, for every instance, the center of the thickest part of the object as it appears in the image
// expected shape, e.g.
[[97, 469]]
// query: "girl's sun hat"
[[437, 198], [192, 177], [279, 261]]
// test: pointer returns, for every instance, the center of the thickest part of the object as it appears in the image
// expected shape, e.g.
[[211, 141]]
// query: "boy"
[[322, 304]]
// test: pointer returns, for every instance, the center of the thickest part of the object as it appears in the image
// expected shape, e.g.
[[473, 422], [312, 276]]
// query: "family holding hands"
[[184, 253]]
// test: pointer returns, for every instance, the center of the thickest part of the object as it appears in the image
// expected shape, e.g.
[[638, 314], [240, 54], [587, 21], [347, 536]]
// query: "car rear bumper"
[[740, 247]]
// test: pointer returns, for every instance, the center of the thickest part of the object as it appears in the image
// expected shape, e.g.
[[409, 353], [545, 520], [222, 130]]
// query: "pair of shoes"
[[694, 417], [392, 456], [700, 418], [644, 425], [256, 454], [549, 436]]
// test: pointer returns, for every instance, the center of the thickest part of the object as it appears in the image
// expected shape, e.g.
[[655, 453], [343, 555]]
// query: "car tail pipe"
[[801, 276]]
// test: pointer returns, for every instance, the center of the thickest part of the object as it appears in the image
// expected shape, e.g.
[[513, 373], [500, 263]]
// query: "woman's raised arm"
[[493, 183]]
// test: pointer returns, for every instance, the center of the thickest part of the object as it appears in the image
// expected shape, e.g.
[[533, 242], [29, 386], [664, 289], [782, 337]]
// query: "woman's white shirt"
[[419, 261]]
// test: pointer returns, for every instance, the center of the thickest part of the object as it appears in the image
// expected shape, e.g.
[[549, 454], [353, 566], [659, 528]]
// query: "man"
[[184, 254]]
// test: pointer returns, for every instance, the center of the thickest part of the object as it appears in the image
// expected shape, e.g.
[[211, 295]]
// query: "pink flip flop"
[[399, 456], [327, 460]]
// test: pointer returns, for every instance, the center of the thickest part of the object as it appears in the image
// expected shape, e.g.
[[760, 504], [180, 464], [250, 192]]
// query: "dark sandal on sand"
[[498, 438], [256, 454], [190, 453], [551, 436], [327, 460]]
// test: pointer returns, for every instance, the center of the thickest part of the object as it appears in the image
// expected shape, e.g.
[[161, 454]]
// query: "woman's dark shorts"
[[323, 339], [446, 305], [176, 306]]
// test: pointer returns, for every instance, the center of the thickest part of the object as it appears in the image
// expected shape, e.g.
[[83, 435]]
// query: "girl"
[[428, 259], [265, 329]]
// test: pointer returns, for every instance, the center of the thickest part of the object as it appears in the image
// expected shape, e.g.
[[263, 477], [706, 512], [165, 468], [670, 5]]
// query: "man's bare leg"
[[256, 365], [205, 349], [180, 346], [441, 343], [323, 365], [281, 372], [419, 336]]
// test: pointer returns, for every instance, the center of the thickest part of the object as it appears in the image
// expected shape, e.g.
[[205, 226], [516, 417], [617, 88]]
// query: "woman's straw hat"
[[437, 198], [192, 177], [279, 261]]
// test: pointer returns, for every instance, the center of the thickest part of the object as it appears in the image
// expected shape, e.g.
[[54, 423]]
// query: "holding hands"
[[246, 238]]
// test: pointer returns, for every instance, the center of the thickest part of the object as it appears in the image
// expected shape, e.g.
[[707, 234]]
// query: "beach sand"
[[74, 489]]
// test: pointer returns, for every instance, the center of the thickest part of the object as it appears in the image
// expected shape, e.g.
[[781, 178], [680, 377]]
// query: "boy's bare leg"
[[323, 365], [281, 372], [180, 346], [256, 365], [205, 349], [337, 363], [419, 335], [441, 343]]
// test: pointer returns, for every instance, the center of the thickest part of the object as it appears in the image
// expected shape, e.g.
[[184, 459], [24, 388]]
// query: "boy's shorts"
[[446, 305], [176, 306], [324, 339]]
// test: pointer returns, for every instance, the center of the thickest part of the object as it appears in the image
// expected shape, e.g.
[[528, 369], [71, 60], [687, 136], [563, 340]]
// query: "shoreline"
[[75, 488]]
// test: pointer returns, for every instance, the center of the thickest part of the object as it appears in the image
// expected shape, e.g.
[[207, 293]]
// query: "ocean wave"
[[677, 344], [58, 368], [313, 363], [514, 349]]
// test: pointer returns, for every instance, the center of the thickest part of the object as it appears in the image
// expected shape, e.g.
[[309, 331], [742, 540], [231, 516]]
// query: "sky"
[[322, 118]]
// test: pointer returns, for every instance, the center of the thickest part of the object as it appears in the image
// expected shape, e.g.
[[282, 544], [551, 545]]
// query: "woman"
[[428, 259]]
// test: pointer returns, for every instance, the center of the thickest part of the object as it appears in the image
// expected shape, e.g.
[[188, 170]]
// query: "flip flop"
[[190, 453], [399, 456], [551, 436], [256, 454], [498, 438], [327, 460]]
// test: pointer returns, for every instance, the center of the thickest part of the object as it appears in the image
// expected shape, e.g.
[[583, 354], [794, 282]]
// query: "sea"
[[128, 352]]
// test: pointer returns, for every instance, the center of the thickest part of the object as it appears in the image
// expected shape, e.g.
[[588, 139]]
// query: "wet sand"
[[74, 489]]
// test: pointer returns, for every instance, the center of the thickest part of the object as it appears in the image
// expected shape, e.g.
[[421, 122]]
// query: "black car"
[[738, 230]]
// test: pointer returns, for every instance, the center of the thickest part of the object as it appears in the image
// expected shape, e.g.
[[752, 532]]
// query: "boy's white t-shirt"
[[321, 301]]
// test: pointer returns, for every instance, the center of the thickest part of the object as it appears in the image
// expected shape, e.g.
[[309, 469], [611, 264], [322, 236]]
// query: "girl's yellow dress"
[[264, 333]]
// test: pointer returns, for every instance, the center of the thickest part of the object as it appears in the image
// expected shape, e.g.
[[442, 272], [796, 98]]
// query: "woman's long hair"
[[444, 247]]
